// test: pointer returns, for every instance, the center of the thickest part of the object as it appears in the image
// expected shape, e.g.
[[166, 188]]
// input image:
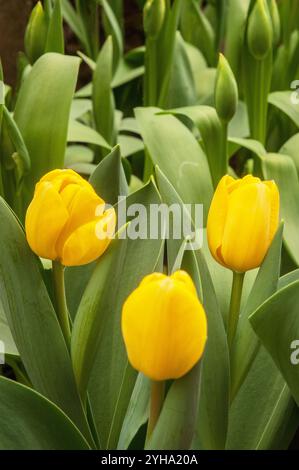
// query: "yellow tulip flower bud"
[[242, 221], [67, 221], [164, 326]]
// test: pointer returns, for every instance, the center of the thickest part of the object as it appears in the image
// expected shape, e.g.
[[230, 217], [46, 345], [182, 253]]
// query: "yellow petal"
[[83, 245], [217, 216], [274, 219], [45, 219], [246, 236], [165, 329], [185, 279]]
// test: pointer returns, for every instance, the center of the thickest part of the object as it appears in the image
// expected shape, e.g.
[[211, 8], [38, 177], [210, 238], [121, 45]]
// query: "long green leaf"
[[28, 421], [33, 322]]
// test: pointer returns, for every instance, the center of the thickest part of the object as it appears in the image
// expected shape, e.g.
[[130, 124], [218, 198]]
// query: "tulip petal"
[[274, 219], [85, 244], [164, 328], [45, 219], [217, 215], [247, 228]]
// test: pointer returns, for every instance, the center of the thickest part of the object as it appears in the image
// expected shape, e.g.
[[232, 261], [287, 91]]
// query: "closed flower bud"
[[260, 31], [226, 91], [242, 221], [36, 33], [275, 22], [67, 220], [164, 326], [153, 17]]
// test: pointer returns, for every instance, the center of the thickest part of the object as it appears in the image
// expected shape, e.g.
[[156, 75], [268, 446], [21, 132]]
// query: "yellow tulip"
[[66, 220], [242, 221], [164, 326]]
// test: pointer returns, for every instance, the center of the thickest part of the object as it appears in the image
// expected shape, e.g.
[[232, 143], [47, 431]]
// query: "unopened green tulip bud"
[[153, 17], [226, 91], [260, 31], [275, 22], [36, 33]]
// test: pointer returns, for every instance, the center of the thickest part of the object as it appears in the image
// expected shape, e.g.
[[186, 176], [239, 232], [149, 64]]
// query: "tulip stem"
[[60, 298], [234, 309], [156, 402]]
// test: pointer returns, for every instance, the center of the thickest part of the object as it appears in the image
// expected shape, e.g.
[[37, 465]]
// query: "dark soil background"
[[14, 15]]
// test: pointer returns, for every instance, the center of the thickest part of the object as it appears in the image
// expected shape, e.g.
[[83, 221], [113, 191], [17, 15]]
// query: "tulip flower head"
[[67, 221], [164, 326], [242, 221]]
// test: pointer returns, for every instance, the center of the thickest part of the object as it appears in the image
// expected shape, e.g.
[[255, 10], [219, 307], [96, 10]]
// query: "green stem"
[[234, 309], [61, 305], [156, 402], [223, 161]]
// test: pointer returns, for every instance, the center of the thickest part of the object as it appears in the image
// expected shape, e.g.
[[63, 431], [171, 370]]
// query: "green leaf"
[[126, 72], [55, 36], [129, 145], [290, 148], [174, 149], [181, 86], [112, 28], [176, 424], [33, 322], [283, 101], [282, 170], [213, 405], [17, 140], [28, 421], [137, 412], [109, 179], [73, 20], [246, 343], [277, 325], [102, 96], [263, 415], [45, 132], [78, 132], [111, 389], [79, 108]]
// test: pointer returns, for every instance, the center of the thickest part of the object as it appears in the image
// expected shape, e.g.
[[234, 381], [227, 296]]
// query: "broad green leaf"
[[213, 405], [282, 170], [206, 120], [55, 35], [284, 101], [175, 150], [288, 279], [28, 421], [78, 154], [33, 322], [291, 148], [137, 412], [112, 378], [246, 343], [263, 416], [276, 323], [79, 108], [78, 132], [239, 126], [181, 86], [197, 30], [45, 133], [126, 72], [102, 96], [176, 424], [129, 145]]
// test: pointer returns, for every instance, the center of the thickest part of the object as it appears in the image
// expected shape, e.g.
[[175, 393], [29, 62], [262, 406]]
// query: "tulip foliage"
[[148, 342]]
